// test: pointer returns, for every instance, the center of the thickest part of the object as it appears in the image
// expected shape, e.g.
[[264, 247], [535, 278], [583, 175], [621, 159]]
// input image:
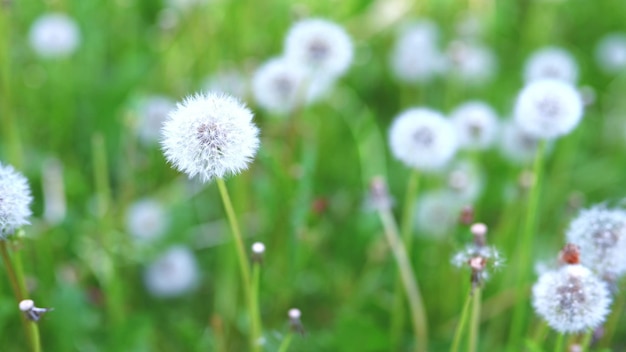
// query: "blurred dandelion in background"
[[54, 35]]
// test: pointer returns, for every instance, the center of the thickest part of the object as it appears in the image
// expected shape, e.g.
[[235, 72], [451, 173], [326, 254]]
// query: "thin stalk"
[[408, 279], [284, 346], [255, 318], [244, 265], [397, 316], [526, 244], [6, 259], [458, 334], [586, 343], [475, 321], [558, 346]]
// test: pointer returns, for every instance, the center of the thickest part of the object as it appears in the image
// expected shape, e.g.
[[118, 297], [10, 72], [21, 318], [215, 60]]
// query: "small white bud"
[[26, 305], [294, 313], [258, 248], [479, 229]]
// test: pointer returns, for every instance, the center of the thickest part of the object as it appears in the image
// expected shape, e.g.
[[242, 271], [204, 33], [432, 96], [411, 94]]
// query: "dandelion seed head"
[[548, 108], [278, 85], [422, 139], [321, 45], [571, 299], [517, 145], [174, 273], [551, 63], [146, 219], [210, 135], [436, 213], [26, 305], [415, 56], [294, 313], [15, 200], [54, 35], [611, 53], [466, 181], [471, 62], [476, 125]]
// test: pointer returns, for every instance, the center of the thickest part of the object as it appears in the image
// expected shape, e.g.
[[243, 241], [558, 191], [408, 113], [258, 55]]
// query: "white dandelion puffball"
[[436, 213], [152, 112], [422, 139], [146, 219], [228, 81], [552, 63], [415, 56], [173, 274], [601, 235], [548, 108], [54, 35], [466, 181], [476, 125], [320, 45], [471, 62], [278, 85], [210, 135], [15, 199], [571, 299], [517, 145], [611, 53]]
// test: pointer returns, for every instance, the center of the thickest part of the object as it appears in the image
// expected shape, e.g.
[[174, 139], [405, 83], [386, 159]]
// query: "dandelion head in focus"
[[54, 35], [600, 232], [320, 45], [210, 135], [476, 125], [152, 112], [146, 220], [571, 299], [548, 108], [173, 274], [551, 63], [278, 85], [423, 139], [611, 53], [15, 200]]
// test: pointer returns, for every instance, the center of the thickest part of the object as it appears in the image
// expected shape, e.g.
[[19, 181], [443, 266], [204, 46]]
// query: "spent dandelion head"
[[54, 35], [437, 212], [551, 63], [476, 124], [278, 85], [15, 199], [611, 53], [210, 135], [258, 252], [471, 62], [174, 273], [478, 256], [378, 197], [146, 219]]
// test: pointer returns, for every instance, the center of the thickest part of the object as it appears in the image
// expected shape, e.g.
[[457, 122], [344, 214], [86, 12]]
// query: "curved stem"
[[458, 334], [475, 322], [284, 346], [586, 343]]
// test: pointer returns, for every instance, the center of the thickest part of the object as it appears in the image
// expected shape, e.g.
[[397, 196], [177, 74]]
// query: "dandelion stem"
[[244, 266], [458, 334], [255, 318], [284, 346], [475, 320], [408, 279], [586, 343], [558, 346], [526, 244]]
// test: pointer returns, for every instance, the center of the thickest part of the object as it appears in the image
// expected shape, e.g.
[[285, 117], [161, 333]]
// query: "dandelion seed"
[[15, 199], [54, 35], [278, 85], [601, 233], [146, 220], [320, 45], [422, 139], [551, 63], [476, 125], [611, 53], [174, 273], [548, 108], [210, 135], [571, 299], [415, 56]]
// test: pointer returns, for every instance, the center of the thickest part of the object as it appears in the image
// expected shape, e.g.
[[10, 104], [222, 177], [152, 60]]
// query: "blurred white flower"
[[516, 144], [415, 56], [471, 62], [553, 63], [422, 139], [15, 199], [228, 81], [548, 108], [476, 125], [152, 112], [54, 35], [146, 219], [174, 273], [611, 53], [278, 85], [571, 299], [210, 135], [601, 235], [437, 213], [466, 181], [319, 45]]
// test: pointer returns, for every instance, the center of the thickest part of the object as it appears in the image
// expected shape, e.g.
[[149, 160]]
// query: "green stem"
[[558, 346], [458, 334], [525, 247], [408, 279], [244, 266], [397, 317], [475, 321], [284, 346], [586, 343], [255, 318], [10, 271]]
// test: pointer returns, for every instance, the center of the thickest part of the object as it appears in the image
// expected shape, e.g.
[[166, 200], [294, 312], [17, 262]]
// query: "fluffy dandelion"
[[601, 233], [54, 35], [611, 53], [415, 56], [210, 135], [476, 125], [422, 139], [320, 45], [517, 145], [15, 199], [174, 273], [472, 62], [437, 212], [152, 112], [466, 181], [146, 219], [571, 299], [552, 63], [478, 257], [548, 108], [278, 85]]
